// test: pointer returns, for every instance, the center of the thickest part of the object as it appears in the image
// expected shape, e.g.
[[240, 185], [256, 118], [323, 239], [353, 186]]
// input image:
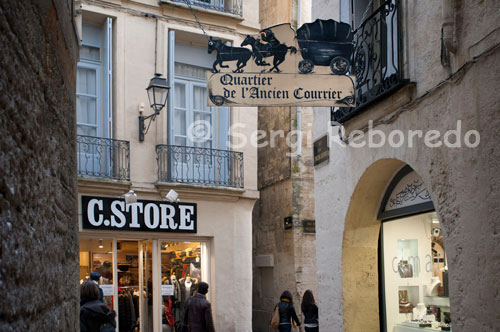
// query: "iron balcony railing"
[[103, 158], [200, 166], [377, 59], [227, 6]]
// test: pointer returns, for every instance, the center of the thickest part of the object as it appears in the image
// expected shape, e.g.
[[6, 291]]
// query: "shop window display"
[[181, 270], [96, 259], [415, 275]]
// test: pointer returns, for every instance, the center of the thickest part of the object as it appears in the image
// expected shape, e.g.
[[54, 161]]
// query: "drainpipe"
[[449, 10], [299, 109]]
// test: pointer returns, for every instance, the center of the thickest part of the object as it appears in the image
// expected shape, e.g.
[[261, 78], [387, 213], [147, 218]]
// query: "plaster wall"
[[462, 181], [133, 67], [224, 214], [38, 224]]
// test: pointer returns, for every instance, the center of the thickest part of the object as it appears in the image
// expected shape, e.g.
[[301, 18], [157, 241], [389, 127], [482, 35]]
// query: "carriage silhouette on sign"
[[325, 43]]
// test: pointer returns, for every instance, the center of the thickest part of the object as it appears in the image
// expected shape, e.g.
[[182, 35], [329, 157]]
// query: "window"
[[193, 123], [93, 92], [415, 273], [94, 103], [190, 108], [413, 268]]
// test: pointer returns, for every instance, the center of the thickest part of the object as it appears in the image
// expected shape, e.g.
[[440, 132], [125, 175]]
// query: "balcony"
[[199, 166], [103, 158], [234, 7], [377, 59]]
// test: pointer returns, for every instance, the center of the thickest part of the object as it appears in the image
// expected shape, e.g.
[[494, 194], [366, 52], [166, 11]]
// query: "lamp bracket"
[[143, 130]]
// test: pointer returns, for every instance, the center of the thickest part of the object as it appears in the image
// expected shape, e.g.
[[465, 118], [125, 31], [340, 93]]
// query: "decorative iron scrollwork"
[[99, 157], [376, 60], [199, 165], [229, 6]]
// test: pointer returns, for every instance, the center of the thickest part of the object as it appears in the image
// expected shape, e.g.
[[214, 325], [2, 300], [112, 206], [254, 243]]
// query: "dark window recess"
[[376, 60]]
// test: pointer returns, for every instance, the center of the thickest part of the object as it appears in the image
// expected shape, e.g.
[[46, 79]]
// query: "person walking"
[[310, 311], [198, 312], [95, 316], [287, 312], [95, 277]]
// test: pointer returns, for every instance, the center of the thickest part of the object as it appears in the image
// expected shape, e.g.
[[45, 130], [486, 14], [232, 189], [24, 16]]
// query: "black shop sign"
[[106, 213]]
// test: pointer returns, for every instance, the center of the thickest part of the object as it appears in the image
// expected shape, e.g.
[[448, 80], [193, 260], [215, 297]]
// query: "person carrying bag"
[[286, 313]]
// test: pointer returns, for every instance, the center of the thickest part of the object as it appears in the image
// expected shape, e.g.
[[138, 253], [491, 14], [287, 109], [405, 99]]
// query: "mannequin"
[[432, 288], [419, 311], [188, 283]]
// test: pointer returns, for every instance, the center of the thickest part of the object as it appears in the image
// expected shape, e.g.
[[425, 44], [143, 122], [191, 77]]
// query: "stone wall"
[[463, 182], [38, 227]]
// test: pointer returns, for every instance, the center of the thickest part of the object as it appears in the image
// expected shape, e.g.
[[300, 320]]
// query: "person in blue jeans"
[[310, 311], [287, 312]]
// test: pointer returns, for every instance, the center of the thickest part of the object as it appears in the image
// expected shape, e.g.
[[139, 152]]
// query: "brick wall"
[[38, 227]]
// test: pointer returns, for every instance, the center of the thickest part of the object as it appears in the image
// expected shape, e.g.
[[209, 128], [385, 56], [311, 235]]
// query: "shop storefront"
[[149, 256], [413, 266]]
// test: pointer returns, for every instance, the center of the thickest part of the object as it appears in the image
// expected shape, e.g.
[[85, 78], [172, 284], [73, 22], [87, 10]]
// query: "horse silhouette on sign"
[[272, 47], [228, 53]]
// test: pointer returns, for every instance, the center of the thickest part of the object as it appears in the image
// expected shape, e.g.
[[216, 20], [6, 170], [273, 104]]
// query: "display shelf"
[[403, 328], [440, 301]]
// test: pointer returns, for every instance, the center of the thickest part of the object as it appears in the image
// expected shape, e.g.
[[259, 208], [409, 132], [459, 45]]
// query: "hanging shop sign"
[[106, 213], [281, 67]]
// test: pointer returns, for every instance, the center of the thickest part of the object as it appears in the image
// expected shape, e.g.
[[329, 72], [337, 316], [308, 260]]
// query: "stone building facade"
[[284, 256], [448, 57], [123, 45], [38, 228]]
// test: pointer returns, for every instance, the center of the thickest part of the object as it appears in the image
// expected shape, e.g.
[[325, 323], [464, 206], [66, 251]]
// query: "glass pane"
[[147, 287], [86, 110], [180, 122], [415, 272], [96, 263], [86, 81], [202, 131], [204, 144], [190, 71], [180, 275], [90, 53], [86, 130], [180, 141], [128, 284], [200, 98], [180, 95]]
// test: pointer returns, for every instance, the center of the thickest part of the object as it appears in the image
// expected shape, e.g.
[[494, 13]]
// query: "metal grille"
[[103, 158], [228, 6], [202, 166], [376, 60]]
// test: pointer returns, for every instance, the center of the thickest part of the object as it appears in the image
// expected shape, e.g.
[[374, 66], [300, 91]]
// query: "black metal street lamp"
[[157, 93]]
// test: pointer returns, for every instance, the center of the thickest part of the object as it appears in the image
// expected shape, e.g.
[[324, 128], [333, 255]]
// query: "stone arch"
[[360, 282]]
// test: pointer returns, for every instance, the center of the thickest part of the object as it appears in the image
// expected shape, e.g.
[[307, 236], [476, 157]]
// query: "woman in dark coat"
[[287, 312], [310, 311], [95, 316]]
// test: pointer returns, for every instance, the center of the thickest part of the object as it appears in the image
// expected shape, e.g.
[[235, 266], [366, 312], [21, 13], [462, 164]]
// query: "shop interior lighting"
[[100, 244]]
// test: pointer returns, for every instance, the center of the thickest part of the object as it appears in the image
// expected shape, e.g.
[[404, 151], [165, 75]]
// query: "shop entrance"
[[394, 266], [147, 282]]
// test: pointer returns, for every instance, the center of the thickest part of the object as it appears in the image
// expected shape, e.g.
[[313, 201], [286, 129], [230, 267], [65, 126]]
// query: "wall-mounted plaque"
[[321, 150]]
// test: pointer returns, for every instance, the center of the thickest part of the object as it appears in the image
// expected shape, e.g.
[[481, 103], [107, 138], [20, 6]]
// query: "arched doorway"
[[393, 263]]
